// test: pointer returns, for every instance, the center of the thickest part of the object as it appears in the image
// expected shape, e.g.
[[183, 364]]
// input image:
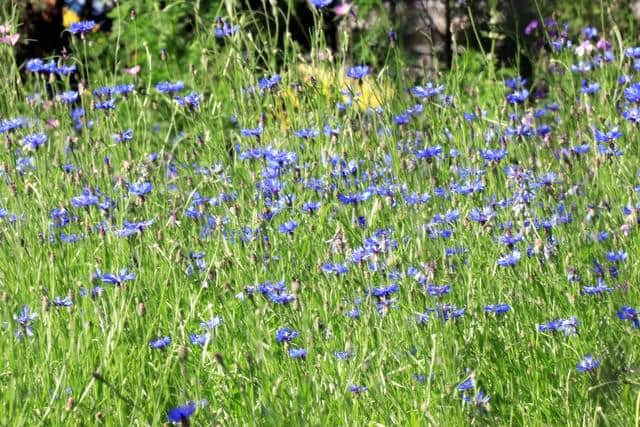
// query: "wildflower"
[[160, 343], [25, 319], [335, 268], [619, 256], [181, 414], [588, 364], [600, 288], [342, 355], [358, 72], [479, 401], [632, 93], [321, 3], [438, 291], [497, 308], [168, 87], [62, 302], [590, 88], [509, 259], [82, 27], [518, 96], [191, 101], [465, 385], [117, 279], [427, 91], [608, 135], [211, 324], [286, 334], [224, 29], [567, 326], [288, 227], [270, 82], [201, 339], [69, 97], [357, 389], [630, 314], [33, 142], [298, 353], [140, 189]]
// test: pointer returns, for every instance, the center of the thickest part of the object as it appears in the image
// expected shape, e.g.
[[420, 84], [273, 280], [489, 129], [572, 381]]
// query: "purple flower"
[[531, 27]]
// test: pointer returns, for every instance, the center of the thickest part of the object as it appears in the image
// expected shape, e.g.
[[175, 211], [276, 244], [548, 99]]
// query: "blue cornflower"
[[286, 334], [62, 302], [224, 29], [118, 278], [600, 288], [335, 268], [191, 101], [85, 200], [590, 88], [69, 97], [518, 96], [288, 227], [465, 385], [306, 133], [438, 291], [298, 353], [607, 135], [429, 152], [384, 292], [201, 339], [321, 3], [82, 27], [25, 319], [358, 72], [109, 104], [516, 82], [311, 207], [509, 259], [617, 256], [140, 189], [127, 135], [427, 91], [269, 82], [630, 314], [401, 119], [33, 142], [160, 343], [497, 308], [168, 87], [588, 364], [181, 414], [567, 326], [212, 324], [632, 93], [479, 401], [358, 389], [342, 355]]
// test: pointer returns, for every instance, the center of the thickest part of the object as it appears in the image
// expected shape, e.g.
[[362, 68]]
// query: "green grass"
[[92, 363]]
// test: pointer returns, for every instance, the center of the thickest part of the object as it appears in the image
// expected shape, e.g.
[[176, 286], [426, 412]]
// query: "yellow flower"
[[69, 17]]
